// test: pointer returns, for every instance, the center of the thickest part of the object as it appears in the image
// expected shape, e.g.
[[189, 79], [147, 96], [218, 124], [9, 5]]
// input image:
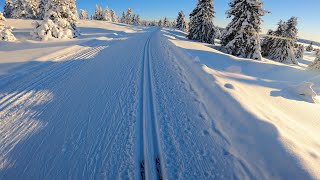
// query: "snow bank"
[[261, 88], [306, 91]]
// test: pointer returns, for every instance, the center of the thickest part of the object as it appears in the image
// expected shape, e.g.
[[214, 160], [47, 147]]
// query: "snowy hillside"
[[121, 98]]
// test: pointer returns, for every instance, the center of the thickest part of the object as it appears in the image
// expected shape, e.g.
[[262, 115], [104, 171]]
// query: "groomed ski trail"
[[150, 160], [129, 108]]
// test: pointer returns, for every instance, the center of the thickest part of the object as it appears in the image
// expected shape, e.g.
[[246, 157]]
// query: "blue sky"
[[306, 10]]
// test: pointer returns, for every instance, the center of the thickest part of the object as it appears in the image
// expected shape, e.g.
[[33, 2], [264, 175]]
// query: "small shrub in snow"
[[316, 64], [59, 22], [299, 51], [5, 31], [241, 37], [309, 48]]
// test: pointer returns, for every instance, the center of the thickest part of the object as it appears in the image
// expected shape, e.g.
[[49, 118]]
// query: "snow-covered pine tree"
[[129, 16], [26, 9], [241, 37], [316, 64], [192, 22], [201, 22], [160, 23], [272, 37], [59, 22], [107, 15], [283, 42], [113, 16], [299, 51], [83, 14], [73, 8], [310, 47], [5, 31], [181, 22], [41, 8], [7, 9], [98, 13], [166, 22], [136, 19], [173, 23], [123, 18]]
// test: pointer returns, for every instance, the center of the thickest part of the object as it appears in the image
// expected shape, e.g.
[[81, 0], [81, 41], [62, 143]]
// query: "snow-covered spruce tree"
[[123, 17], [25, 9], [98, 13], [316, 64], [201, 22], [83, 14], [166, 22], [192, 22], [299, 51], [5, 31], [107, 15], [310, 47], [283, 42], [272, 37], [7, 9], [42, 9], [241, 37], [173, 23], [129, 16], [181, 22], [136, 20], [160, 23], [73, 8], [59, 22], [113, 16]]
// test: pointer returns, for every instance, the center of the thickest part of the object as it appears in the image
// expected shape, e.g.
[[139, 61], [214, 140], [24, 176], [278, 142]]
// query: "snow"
[[100, 105], [265, 90], [305, 90]]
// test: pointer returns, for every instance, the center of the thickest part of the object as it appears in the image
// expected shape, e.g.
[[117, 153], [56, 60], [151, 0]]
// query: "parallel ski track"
[[150, 159]]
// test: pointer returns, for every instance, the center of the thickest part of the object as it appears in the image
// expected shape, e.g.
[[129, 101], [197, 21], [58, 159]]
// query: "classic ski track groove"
[[148, 134]]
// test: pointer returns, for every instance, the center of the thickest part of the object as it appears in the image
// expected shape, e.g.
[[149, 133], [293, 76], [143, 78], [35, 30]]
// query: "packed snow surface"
[[124, 102]]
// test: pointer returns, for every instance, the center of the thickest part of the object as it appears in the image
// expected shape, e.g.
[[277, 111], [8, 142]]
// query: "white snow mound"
[[306, 91]]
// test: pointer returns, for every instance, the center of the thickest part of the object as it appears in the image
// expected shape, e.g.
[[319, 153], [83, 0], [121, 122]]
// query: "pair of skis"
[[158, 167]]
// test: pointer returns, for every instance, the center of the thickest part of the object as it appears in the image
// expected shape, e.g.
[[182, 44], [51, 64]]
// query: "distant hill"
[[309, 41]]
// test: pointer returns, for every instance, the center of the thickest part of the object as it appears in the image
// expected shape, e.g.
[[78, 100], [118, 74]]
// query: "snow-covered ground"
[[122, 100]]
